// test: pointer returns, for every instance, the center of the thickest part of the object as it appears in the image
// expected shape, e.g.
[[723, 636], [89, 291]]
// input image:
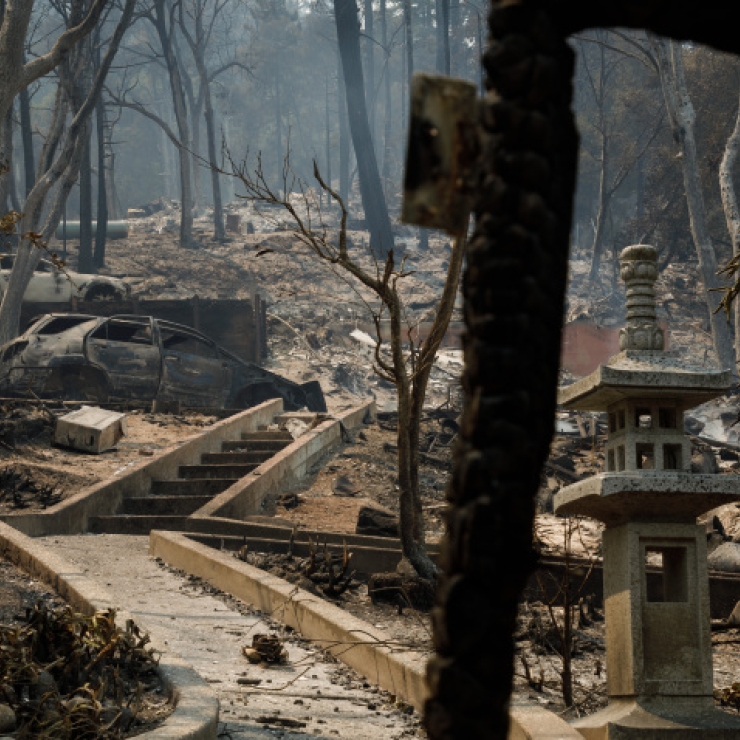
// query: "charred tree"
[[387, 95], [442, 12], [29, 161], [373, 200], [370, 64], [408, 371], [101, 228], [59, 165], [165, 32], [681, 113], [15, 72], [327, 133], [85, 256], [730, 207], [343, 135], [514, 290], [7, 177], [198, 40], [81, 84]]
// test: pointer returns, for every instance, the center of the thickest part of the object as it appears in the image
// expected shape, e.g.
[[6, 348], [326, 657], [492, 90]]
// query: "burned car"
[[81, 357], [50, 284]]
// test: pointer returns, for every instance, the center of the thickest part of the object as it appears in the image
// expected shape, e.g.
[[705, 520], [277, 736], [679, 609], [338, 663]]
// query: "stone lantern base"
[[625, 719]]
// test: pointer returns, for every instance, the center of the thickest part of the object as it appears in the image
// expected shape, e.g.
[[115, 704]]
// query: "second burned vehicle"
[[92, 358]]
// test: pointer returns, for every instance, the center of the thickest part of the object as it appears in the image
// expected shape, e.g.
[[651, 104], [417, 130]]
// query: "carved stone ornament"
[[639, 270]]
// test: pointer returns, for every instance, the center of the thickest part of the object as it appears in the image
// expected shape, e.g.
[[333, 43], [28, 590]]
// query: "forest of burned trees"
[[192, 76]]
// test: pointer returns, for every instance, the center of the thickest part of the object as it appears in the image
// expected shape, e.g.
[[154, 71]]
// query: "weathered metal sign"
[[441, 153]]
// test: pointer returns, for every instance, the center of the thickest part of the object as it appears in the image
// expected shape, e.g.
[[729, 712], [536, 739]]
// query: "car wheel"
[[103, 293], [84, 384], [255, 394]]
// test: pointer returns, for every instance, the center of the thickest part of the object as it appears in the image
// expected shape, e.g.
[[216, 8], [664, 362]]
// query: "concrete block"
[[90, 429]]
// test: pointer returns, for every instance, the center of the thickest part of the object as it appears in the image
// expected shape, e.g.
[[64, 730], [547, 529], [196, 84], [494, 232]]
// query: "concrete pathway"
[[311, 696]]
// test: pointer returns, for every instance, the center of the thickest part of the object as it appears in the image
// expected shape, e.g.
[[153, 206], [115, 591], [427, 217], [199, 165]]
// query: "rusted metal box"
[[90, 429], [441, 155]]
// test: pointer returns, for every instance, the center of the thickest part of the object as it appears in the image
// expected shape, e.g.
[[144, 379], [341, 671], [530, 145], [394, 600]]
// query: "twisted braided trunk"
[[514, 292]]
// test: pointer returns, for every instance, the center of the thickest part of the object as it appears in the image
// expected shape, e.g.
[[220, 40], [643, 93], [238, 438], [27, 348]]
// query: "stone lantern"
[[658, 642]]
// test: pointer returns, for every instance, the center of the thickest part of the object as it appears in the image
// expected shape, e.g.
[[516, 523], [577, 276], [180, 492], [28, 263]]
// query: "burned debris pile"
[[19, 423], [20, 488], [66, 676], [324, 572]]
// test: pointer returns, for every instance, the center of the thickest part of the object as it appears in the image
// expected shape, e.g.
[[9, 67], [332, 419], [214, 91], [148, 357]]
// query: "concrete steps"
[[131, 524], [256, 445], [169, 502], [239, 458], [190, 487], [232, 471], [185, 505]]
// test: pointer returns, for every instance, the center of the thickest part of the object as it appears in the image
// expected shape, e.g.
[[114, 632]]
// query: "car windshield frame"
[[72, 321]]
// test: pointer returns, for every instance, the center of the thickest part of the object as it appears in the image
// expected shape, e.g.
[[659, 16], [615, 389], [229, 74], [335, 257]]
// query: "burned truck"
[[125, 358]]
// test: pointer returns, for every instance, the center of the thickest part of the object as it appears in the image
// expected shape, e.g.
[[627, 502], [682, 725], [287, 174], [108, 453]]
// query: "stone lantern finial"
[[639, 272]]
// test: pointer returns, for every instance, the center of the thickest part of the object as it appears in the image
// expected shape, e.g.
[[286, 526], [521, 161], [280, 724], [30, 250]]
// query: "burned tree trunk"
[[514, 296], [101, 228], [181, 118], [682, 117], [85, 257], [6, 164], [373, 201], [343, 135], [386, 166], [730, 207], [29, 163], [370, 65], [59, 166]]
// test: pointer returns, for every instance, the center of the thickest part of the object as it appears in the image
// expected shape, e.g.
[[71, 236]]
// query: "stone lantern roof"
[[645, 389], [643, 369]]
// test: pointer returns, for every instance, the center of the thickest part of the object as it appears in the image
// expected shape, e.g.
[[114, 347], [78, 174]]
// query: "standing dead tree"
[[59, 164], [669, 56], [16, 73], [373, 200], [408, 370]]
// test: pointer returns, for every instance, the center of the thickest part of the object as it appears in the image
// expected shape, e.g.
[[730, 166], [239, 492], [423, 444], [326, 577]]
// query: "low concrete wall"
[[531, 722], [285, 468], [104, 498], [196, 707], [353, 641]]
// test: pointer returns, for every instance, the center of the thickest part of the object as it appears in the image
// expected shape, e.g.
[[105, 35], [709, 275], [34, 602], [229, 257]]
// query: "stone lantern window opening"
[[643, 418], [666, 418], [650, 440], [645, 456], [672, 457], [672, 584]]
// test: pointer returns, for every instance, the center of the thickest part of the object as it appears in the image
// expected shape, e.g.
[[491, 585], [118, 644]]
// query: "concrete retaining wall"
[[196, 707], [104, 498], [284, 469], [353, 641]]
